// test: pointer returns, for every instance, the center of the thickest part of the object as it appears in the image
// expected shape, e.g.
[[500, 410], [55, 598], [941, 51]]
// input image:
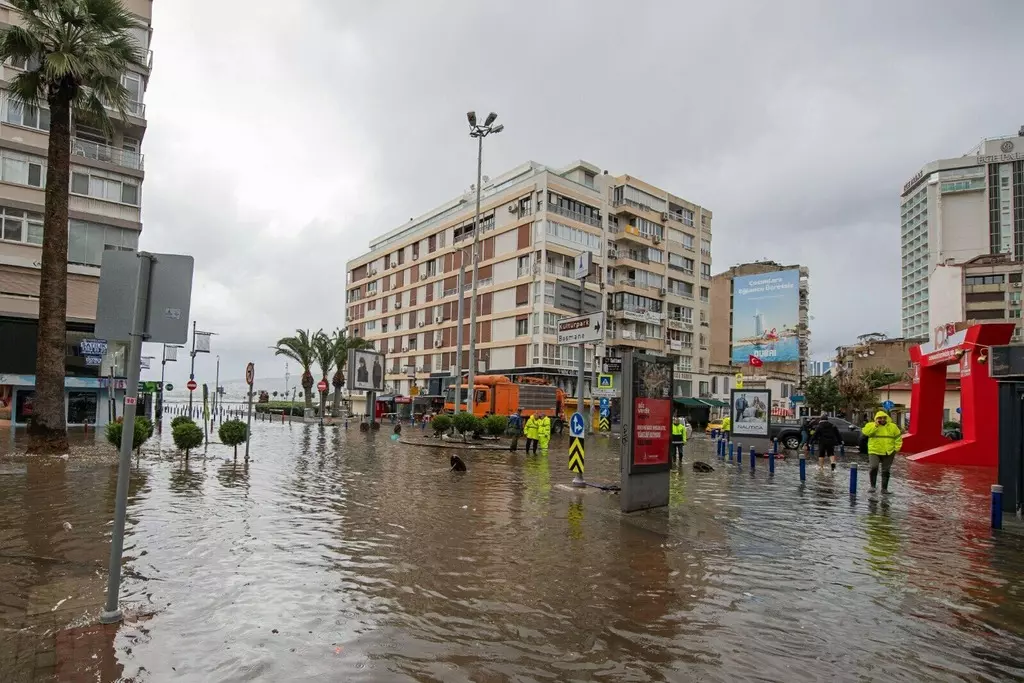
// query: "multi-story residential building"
[[874, 351], [982, 289], [722, 319], [958, 209], [653, 256], [105, 213]]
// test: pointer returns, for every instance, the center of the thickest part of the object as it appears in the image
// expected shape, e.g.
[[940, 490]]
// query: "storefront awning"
[[715, 403], [691, 402]]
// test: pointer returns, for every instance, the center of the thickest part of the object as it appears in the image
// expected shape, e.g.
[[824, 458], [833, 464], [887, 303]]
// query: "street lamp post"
[[479, 132]]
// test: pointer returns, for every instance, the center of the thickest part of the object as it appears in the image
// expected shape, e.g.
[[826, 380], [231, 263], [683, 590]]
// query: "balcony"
[[526, 271], [680, 293], [630, 233], [632, 255], [111, 155], [564, 271], [582, 218], [680, 323]]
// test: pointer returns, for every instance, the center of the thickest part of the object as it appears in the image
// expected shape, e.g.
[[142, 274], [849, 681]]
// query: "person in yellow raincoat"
[[885, 440], [543, 433], [531, 429], [727, 427]]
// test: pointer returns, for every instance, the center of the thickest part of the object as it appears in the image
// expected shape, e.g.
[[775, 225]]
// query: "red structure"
[[979, 400]]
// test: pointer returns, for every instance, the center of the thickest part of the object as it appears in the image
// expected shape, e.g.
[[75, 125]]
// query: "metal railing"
[[113, 155], [564, 271], [575, 215]]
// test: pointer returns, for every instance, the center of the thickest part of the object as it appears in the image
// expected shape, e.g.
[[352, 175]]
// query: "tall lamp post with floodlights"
[[479, 132]]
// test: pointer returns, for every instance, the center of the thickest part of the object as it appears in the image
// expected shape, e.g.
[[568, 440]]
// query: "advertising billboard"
[[765, 316], [652, 414], [365, 370], [751, 412]]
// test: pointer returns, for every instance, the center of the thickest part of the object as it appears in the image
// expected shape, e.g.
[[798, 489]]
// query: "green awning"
[[715, 403], [691, 402]]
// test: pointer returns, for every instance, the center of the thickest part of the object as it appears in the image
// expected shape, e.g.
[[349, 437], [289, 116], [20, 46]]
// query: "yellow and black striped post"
[[576, 455], [604, 424]]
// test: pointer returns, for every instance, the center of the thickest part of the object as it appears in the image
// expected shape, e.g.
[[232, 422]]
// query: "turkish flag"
[[755, 361]]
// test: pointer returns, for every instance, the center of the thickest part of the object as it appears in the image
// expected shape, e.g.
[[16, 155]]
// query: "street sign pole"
[[111, 613], [250, 377], [582, 269]]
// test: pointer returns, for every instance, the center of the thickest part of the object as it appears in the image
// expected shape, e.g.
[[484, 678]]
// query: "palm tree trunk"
[[336, 407], [47, 428], [307, 388]]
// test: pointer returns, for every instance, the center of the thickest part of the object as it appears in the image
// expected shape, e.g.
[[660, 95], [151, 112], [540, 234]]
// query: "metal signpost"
[[250, 377], [322, 388], [582, 329], [160, 285], [605, 424]]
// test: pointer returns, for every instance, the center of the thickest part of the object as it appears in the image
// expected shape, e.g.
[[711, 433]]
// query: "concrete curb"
[[438, 443]]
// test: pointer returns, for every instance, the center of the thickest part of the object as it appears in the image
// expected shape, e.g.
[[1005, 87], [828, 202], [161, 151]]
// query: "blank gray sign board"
[[170, 296]]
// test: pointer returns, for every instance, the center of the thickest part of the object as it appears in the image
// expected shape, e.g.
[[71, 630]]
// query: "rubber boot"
[[885, 482], [874, 478]]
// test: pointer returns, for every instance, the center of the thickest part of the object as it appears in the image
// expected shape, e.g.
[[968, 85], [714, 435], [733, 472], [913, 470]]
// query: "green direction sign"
[[169, 387]]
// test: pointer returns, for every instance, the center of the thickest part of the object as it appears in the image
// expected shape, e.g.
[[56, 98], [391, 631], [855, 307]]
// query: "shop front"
[[87, 400]]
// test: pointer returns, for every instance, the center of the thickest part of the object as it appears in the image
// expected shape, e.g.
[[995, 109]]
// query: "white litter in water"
[[54, 609], [465, 507], [67, 526], [64, 457]]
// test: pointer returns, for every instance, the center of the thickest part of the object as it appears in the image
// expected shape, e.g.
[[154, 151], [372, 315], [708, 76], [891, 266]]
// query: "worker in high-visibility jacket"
[[727, 427], [678, 439], [531, 429], [544, 433]]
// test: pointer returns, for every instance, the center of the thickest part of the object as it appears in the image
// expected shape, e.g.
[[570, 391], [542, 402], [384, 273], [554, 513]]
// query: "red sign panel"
[[191, 385], [322, 386], [652, 424]]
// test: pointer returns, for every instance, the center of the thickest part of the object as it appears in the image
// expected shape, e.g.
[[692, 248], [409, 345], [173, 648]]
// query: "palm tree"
[[75, 52], [342, 344], [300, 349], [323, 349]]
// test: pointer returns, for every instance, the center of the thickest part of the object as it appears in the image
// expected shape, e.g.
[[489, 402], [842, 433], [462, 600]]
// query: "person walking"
[[678, 439], [515, 428], [532, 425], [884, 441], [827, 436], [543, 434], [727, 427]]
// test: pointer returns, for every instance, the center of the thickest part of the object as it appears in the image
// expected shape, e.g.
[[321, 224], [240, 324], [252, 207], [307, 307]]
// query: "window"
[[578, 239], [570, 208], [106, 186], [551, 323], [21, 226], [25, 65], [983, 280], [87, 241], [705, 247], [705, 294], [27, 115], [714, 385], [705, 270], [522, 327], [588, 178], [22, 169]]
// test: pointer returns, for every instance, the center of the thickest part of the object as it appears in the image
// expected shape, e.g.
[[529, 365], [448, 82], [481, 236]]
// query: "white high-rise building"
[[954, 210]]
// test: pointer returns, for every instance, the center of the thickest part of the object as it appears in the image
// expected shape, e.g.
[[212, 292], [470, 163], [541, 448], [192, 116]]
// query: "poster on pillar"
[[652, 414]]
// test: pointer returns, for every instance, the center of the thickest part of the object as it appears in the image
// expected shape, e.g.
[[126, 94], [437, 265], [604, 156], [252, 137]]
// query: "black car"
[[788, 434]]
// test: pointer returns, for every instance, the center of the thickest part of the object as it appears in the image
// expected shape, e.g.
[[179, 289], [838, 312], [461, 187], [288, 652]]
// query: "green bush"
[[495, 424], [951, 424], [187, 435], [466, 423], [180, 420], [232, 433], [441, 424], [143, 430]]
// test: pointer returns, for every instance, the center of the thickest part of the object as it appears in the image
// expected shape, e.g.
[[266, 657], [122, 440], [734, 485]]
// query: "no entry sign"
[[191, 385], [322, 386]]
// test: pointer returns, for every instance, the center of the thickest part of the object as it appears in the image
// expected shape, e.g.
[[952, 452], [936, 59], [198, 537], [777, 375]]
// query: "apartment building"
[[653, 256], [982, 289], [959, 208], [874, 351], [107, 171], [722, 300]]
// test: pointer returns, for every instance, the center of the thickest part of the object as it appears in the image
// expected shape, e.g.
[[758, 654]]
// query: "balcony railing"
[[564, 271], [113, 155], [575, 215], [681, 293], [525, 271]]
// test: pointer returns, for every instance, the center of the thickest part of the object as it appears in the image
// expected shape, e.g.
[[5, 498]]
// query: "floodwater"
[[340, 555]]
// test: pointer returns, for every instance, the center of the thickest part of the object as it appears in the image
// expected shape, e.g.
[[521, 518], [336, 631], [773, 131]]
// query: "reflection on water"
[[348, 556]]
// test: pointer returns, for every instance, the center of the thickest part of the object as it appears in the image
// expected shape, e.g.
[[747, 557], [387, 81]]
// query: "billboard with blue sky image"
[[765, 315]]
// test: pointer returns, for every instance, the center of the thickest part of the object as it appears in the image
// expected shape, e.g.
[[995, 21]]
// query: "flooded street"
[[339, 555]]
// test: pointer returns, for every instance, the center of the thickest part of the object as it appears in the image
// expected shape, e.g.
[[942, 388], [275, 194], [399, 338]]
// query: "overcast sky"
[[284, 135]]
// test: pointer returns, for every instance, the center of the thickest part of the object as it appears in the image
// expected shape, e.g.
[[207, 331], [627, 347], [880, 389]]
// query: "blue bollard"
[[803, 467], [853, 479], [842, 449], [423, 424], [739, 454], [346, 423], [775, 446], [810, 447], [771, 463], [997, 506], [721, 449], [753, 459], [731, 447]]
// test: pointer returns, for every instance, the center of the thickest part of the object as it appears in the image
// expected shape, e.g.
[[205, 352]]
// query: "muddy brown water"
[[339, 555]]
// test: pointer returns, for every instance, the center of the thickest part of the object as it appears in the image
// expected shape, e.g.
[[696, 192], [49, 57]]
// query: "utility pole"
[[192, 369], [216, 388], [581, 378], [458, 342]]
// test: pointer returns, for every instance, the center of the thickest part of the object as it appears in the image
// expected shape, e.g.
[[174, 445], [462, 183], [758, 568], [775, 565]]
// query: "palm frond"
[[298, 348], [323, 349]]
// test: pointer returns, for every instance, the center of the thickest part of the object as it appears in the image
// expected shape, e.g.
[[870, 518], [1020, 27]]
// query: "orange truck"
[[499, 395]]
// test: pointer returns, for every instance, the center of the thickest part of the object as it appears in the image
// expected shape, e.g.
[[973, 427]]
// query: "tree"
[[75, 52], [143, 429], [856, 396], [323, 349], [232, 433], [822, 393], [879, 377], [342, 344], [300, 349], [187, 435]]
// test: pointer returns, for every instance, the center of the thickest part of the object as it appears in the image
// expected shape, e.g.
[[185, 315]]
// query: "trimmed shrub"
[[466, 423], [951, 424], [441, 424], [495, 424], [181, 419], [187, 435], [143, 430], [232, 433]]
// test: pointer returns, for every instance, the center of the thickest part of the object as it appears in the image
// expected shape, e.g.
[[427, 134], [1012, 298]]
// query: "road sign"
[[605, 382], [604, 424], [581, 329], [129, 400], [611, 365], [887, 405], [957, 411], [576, 455], [250, 374], [192, 385], [605, 405], [606, 393], [169, 387], [576, 425], [321, 386], [169, 296], [583, 262]]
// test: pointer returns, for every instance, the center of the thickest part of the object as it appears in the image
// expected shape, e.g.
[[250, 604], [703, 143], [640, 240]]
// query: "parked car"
[[788, 433], [713, 425]]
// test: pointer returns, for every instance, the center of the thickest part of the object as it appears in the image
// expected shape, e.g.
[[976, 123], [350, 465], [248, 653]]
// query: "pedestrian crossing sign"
[[605, 382]]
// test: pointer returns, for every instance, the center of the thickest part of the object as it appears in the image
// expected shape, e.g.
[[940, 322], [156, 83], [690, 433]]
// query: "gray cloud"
[[282, 137]]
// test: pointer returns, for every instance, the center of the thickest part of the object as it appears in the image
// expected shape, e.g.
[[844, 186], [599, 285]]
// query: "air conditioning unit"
[[512, 208], [394, 265], [662, 291], [423, 277], [371, 271], [657, 240], [405, 349], [415, 257], [664, 215], [438, 320], [437, 343], [421, 324], [398, 305], [1017, 285]]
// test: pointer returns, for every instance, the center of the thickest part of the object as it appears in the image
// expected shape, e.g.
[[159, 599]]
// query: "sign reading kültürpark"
[[581, 329]]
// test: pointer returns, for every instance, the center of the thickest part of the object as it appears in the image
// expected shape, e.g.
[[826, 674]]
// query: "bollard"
[[731, 446], [997, 506], [721, 449], [753, 460], [803, 467], [811, 448], [771, 463], [842, 449], [853, 479], [775, 446], [739, 454]]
